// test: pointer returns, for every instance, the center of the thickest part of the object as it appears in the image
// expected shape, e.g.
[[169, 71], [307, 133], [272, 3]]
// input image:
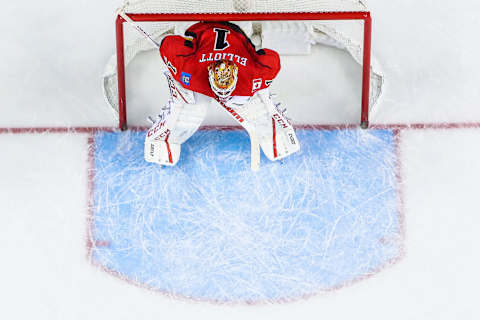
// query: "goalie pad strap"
[[275, 153], [169, 150]]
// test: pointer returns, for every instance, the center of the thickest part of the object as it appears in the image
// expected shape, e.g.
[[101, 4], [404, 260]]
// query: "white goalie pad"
[[283, 140], [260, 115], [176, 123], [178, 120], [162, 152]]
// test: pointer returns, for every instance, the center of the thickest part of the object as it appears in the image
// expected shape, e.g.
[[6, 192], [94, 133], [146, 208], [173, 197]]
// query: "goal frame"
[[274, 16]]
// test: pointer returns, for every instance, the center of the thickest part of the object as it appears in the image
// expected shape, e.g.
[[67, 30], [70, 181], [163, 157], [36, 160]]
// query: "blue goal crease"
[[210, 228]]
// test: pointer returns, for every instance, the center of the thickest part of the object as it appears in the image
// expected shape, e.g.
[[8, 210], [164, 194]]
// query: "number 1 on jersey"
[[221, 39]]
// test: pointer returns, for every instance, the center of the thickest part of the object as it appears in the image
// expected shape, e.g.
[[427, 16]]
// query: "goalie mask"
[[223, 76]]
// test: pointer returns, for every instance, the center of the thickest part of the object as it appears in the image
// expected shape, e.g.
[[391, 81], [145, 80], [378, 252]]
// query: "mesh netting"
[[234, 6]]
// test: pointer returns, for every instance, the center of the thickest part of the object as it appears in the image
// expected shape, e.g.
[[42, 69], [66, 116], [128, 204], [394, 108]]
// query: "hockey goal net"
[[321, 20]]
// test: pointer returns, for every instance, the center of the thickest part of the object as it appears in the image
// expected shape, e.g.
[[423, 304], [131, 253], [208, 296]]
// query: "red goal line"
[[412, 126]]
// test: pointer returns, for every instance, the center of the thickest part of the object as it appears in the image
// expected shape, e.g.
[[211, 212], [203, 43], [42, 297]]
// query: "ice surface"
[[53, 56], [211, 229]]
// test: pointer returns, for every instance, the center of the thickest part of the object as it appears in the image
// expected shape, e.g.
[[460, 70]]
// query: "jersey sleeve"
[[270, 63], [173, 49]]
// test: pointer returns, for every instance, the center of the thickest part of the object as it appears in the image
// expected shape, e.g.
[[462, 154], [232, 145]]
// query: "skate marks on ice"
[[210, 229]]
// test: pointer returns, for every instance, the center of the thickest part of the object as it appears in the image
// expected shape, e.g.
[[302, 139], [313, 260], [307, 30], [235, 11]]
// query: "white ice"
[[53, 55]]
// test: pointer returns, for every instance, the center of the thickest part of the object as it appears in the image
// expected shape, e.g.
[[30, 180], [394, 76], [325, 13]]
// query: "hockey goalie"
[[216, 63]]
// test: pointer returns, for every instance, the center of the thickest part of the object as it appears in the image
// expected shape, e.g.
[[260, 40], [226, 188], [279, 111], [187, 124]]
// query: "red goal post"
[[367, 100]]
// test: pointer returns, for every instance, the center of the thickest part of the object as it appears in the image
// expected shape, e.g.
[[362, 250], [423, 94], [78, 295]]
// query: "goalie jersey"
[[187, 58]]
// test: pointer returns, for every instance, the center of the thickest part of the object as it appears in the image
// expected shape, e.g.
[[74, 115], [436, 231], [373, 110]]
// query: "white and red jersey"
[[187, 58]]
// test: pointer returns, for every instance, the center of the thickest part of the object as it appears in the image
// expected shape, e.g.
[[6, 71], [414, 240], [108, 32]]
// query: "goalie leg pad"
[[189, 119], [277, 136], [284, 139], [177, 123], [162, 152], [281, 144]]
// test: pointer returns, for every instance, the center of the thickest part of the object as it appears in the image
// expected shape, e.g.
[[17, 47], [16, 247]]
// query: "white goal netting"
[[234, 6], [347, 35]]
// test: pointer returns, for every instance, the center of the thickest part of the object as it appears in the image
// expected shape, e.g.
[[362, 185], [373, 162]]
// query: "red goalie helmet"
[[223, 76]]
